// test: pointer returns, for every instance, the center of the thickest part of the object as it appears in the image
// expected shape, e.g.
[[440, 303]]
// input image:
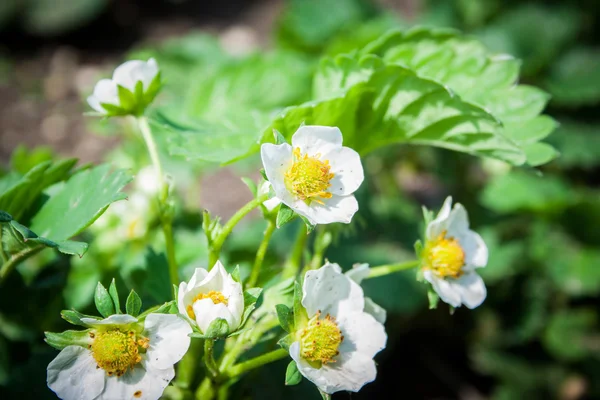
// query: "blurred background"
[[537, 336]]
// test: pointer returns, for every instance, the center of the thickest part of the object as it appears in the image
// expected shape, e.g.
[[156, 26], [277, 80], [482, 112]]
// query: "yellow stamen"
[[320, 340], [215, 296], [445, 256], [308, 178], [116, 351]]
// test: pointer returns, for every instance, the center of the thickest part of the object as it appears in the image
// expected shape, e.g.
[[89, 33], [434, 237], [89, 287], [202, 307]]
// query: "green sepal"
[[251, 185], [279, 139], [427, 215], [74, 317], [219, 328], [324, 396], [236, 274], [114, 295], [309, 227], [284, 215], [211, 227], [127, 99], [133, 304], [166, 308], [68, 338], [433, 298], [286, 341], [103, 301], [263, 174], [286, 317], [251, 296], [300, 316], [152, 90], [292, 374], [418, 246]]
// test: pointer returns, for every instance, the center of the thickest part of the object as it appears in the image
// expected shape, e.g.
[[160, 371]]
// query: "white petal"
[[439, 224], [128, 73], [471, 288], [347, 169], [375, 310], [148, 73], [362, 333], [351, 371], [95, 104], [330, 291], [337, 209], [106, 92], [116, 319], [476, 252], [271, 203], [169, 339], [73, 374], [206, 312], [276, 160], [181, 292], [358, 273], [142, 382], [458, 221], [447, 292], [315, 139], [147, 181], [199, 275]]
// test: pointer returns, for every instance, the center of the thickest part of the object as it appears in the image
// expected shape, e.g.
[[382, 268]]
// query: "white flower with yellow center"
[[133, 86], [316, 176], [121, 359], [450, 256], [211, 295], [335, 349]]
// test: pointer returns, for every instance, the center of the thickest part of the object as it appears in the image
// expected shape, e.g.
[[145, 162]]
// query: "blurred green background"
[[536, 336]]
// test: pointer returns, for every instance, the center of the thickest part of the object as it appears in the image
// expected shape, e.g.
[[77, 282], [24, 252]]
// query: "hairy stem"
[[15, 260], [209, 358], [260, 254], [294, 262], [256, 362], [383, 270]]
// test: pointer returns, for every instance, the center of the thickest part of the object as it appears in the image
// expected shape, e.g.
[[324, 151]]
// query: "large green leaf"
[[468, 69], [75, 204], [376, 104], [575, 78], [17, 193]]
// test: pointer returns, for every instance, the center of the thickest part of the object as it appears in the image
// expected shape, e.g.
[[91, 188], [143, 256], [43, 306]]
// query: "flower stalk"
[[260, 254], [383, 270]]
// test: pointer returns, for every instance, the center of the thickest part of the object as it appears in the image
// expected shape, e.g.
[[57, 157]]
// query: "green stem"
[[383, 270], [215, 246], [209, 358], [321, 243], [257, 362], [294, 262], [206, 390], [163, 197], [2, 253], [15, 260], [186, 369], [260, 254]]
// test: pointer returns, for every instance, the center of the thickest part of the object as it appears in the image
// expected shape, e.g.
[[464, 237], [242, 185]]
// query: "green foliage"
[[285, 317], [104, 302], [574, 79], [292, 375], [577, 328]]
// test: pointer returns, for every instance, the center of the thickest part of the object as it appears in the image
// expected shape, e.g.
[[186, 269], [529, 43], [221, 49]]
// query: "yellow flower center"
[[216, 297], [320, 340], [444, 256], [116, 351], [308, 178]]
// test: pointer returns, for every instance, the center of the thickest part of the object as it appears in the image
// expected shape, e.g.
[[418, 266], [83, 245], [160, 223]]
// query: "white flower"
[[211, 295], [126, 75], [121, 360], [358, 273], [336, 348], [315, 176], [270, 204], [450, 256]]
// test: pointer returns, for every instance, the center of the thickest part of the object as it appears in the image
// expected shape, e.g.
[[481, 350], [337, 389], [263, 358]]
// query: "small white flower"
[[450, 256], [122, 360], [358, 273], [211, 295], [127, 75], [336, 348], [270, 204], [315, 176]]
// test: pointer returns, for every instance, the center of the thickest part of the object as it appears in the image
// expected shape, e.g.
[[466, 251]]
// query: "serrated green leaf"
[[68, 338], [134, 304], [218, 328], [77, 203], [103, 301], [284, 215], [286, 317], [292, 374], [114, 295], [578, 144]]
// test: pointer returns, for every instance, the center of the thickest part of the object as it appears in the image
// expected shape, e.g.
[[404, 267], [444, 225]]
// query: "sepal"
[[68, 338]]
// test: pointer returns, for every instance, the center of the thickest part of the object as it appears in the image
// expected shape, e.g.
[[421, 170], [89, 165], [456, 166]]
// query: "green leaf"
[[219, 328], [570, 334], [286, 317], [578, 143], [292, 375], [309, 227], [134, 304], [574, 78], [251, 296], [103, 301], [300, 316], [521, 191], [114, 295], [68, 338], [284, 215], [236, 274], [85, 195]]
